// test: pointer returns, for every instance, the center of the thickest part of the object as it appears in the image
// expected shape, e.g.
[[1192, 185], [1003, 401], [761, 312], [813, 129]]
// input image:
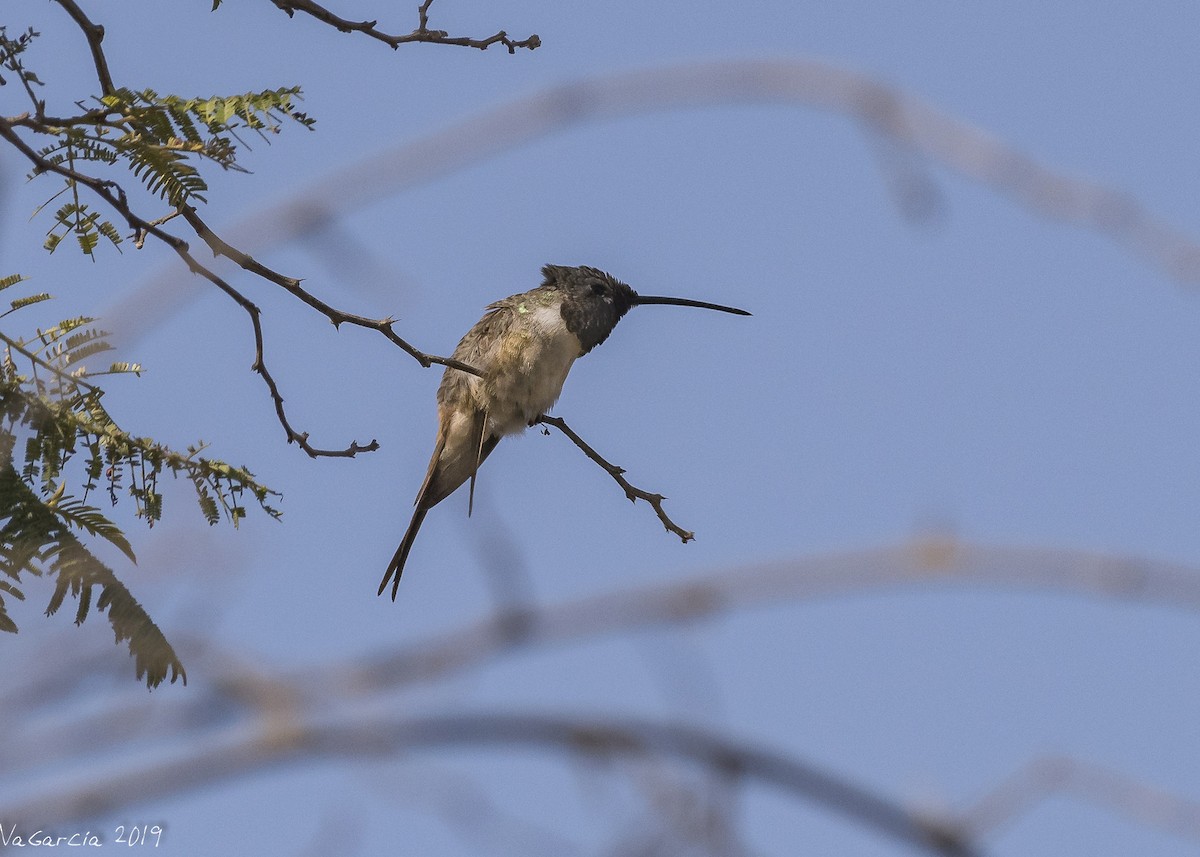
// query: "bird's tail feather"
[[440, 482], [396, 566]]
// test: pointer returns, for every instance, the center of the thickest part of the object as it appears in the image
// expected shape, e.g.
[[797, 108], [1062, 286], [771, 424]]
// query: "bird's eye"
[[598, 288]]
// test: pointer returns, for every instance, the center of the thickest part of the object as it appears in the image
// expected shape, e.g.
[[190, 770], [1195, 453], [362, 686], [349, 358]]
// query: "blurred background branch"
[[914, 129], [249, 718]]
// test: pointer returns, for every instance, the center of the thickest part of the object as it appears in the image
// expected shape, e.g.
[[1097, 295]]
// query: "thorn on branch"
[[632, 492], [421, 34], [293, 286]]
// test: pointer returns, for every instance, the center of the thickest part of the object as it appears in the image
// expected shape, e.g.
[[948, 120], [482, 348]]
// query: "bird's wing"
[[438, 447]]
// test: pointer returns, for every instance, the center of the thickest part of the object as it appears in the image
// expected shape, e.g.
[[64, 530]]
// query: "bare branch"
[[219, 247], [633, 493], [929, 561], [94, 33], [920, 127], [300, 739], [421, 34], [1047, 776], [291, 285], [139, 235], [114, 195], [275, 704], [44, 124]]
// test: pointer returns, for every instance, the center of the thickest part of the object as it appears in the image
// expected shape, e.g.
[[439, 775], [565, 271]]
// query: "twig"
[[139, 235], [421, 34], [94, 33], [44, 124], [633, 493], [39, 106], [423, 15], [38, 361], [384, 326], [113, 194]]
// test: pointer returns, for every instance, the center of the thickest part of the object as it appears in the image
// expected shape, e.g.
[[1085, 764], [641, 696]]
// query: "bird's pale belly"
[[527, 376]]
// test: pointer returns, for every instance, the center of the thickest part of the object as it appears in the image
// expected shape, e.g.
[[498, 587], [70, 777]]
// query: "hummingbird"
[[524, 347]]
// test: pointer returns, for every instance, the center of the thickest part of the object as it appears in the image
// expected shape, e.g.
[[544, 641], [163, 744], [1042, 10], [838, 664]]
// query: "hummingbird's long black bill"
[[656, 299]]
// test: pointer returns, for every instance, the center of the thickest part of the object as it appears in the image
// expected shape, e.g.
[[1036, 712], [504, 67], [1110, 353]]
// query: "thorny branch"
[[94, 33], [421, 34], [291, 285], [113, 194], [633, 493]]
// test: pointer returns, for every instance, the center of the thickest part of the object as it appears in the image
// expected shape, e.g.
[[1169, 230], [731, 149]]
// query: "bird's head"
[[594, 301]]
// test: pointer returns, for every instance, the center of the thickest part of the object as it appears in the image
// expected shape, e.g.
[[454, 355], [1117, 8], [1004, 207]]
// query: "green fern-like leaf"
[[74, 354], [122, 368], [91, 520], [33, 537], [88, 239], [11, 280], [166, 173], [110, 233], [27, 301], [76, 144], [208, 506], [87, 226], [6, 622], [51, 335], [161, 139], [56, 418]]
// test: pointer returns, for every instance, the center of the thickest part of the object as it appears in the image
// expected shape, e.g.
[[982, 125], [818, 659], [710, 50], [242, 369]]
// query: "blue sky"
[[983, 371]]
